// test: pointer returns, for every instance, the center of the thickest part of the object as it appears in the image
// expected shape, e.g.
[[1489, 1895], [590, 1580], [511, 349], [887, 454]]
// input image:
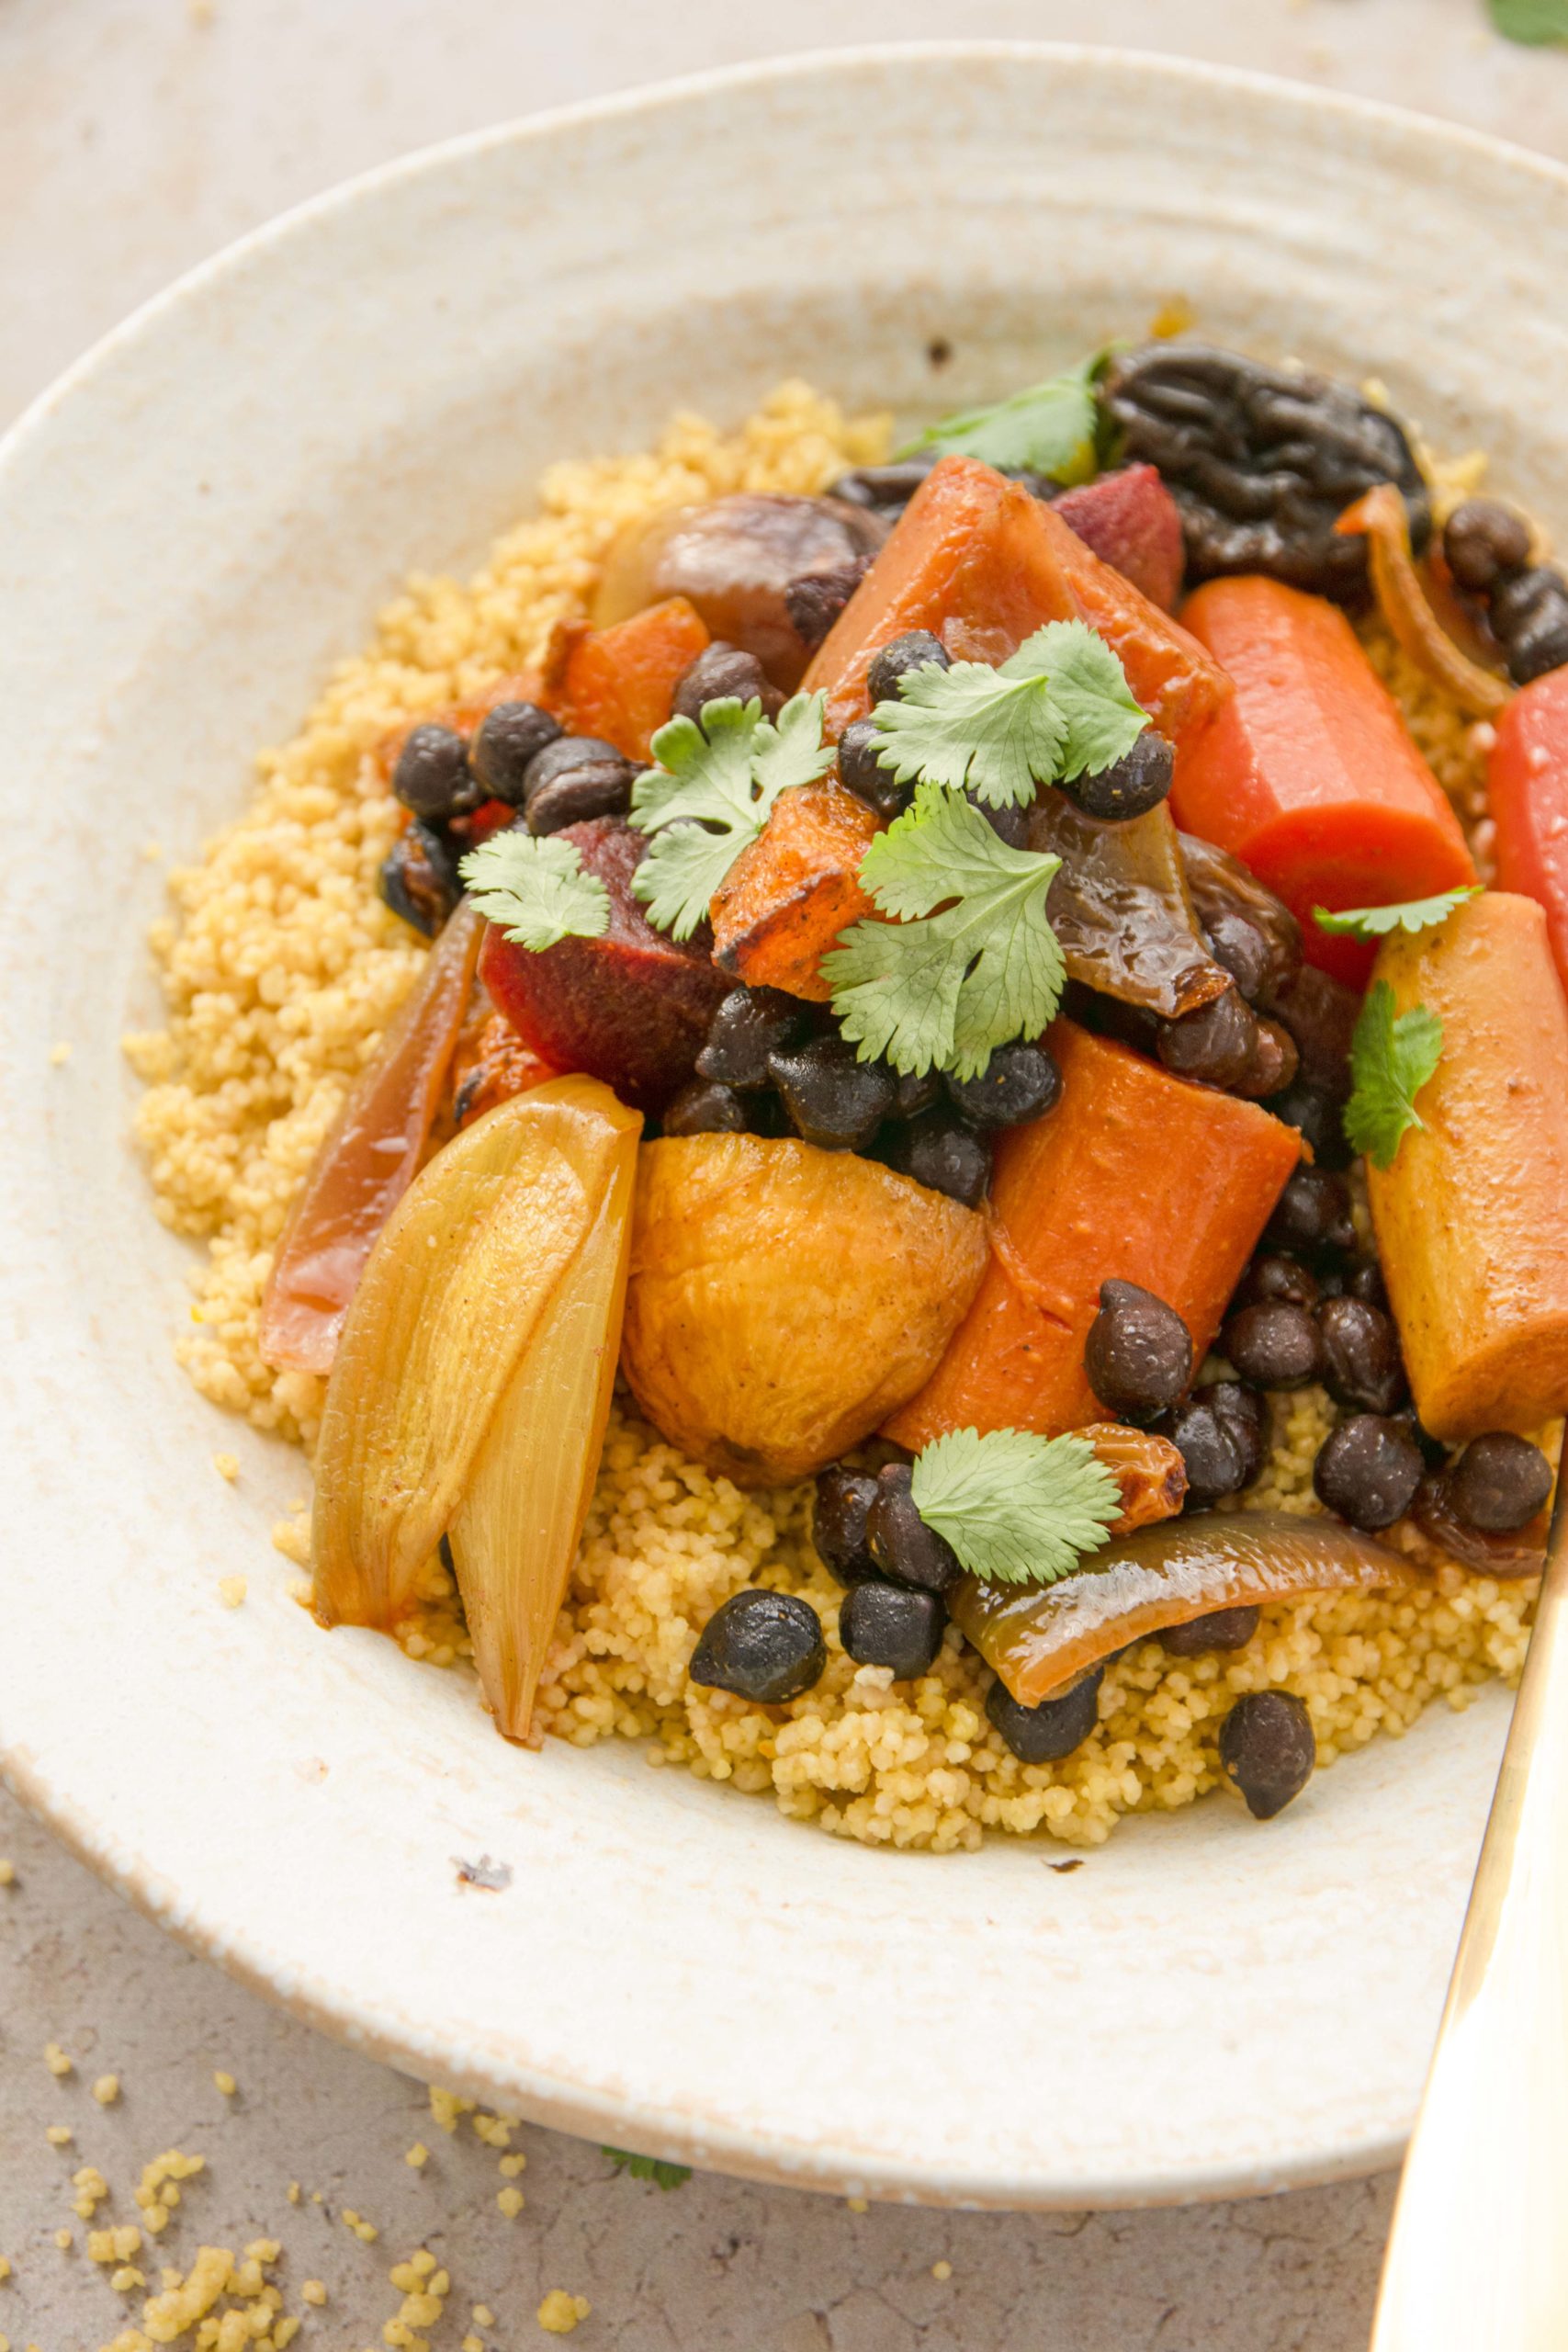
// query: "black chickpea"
[[1499, 1483], [1368, 1471], [1361, 1363], [1273, 1345], [1138, 1354], [1268, 1748]]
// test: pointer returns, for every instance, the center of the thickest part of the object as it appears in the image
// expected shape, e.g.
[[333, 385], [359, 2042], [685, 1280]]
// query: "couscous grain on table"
[[862, 1155]]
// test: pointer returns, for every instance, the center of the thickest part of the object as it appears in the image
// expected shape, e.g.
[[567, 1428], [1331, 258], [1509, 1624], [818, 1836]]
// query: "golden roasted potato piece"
[[785, 1300]]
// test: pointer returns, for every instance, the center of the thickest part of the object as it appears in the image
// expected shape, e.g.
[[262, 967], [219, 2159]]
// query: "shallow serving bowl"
[[192, 526]]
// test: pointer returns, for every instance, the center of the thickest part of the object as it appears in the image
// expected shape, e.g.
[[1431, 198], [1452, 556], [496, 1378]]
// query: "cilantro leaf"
[[710, 796], [1391, 1061], [535, 889], [1101, 720], [1016, 1508], [971, 724], [652, 2168], [1534, 22], [1410, 914], [970, 959], [1058, 707], [1051, 429]]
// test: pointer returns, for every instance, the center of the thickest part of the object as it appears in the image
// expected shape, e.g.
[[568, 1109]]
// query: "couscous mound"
[[281, 967]]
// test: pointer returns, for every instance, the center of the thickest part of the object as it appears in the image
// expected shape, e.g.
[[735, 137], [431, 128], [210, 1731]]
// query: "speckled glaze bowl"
[[192, 526]]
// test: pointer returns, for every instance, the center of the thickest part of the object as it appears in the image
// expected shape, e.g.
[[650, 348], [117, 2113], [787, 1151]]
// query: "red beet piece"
[[1132, 522], [632, 1008]]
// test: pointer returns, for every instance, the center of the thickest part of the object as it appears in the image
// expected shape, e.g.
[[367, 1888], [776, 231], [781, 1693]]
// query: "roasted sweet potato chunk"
[[787, 897]]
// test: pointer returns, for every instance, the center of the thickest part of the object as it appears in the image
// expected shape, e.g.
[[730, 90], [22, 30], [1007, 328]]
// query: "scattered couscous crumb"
[[56, 2060], [941, 2270], [157, 2192], [366, 2231], [281, 967], [106, 2090], [127, 2278], [60, 1054], [446, 2106], [313, 2291], [117, 2245], [59, 2135], [510, 2166], [418, 2156], [64, 2241], [292, 2192], [227, 1466], [495, 2131], [92, 2189], [559, 2313], [231, 1591], [482, 2315], [5, 2269], [510, 2202], [858, 2204], [472, 2344], [222, 2080], [7, 1872]]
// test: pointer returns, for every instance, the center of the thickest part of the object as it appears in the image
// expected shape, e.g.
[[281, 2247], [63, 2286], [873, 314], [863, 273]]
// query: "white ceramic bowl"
[[192, 526]]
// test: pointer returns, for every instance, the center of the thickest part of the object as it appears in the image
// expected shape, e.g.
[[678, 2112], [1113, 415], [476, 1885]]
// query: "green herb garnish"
[[1052, 429], [1058, 708], [1016, 1508], [535, 889], [1410, 914], [1391, 1061], [1536, 23], [710, 796], [941, 990], [652, 2168]]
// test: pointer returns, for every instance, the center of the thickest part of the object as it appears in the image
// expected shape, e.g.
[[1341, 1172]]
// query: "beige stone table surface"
[[135, 136]]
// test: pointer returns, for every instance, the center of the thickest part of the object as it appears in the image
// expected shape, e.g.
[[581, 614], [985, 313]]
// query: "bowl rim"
[[553, 2099]]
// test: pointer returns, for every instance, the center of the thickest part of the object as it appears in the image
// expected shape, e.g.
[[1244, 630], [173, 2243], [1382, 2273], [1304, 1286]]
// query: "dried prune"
[[1262, 461]]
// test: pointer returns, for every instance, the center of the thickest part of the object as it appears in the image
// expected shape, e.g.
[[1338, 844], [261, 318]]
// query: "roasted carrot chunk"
[[982, 564], [619, 682], [1471, 1217], [1138, 1175], [1311, 777], [786, 898], [1528, 792]]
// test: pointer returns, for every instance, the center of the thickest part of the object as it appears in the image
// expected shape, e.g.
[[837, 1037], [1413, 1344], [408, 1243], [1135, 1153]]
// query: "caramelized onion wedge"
[[516, 1532], [1121, 909], [368, 1159], [452, 1293], [1039, 1639], [1380, 516]]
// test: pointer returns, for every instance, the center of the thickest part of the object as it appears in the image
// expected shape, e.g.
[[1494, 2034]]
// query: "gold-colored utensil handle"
[[1478, 2257]]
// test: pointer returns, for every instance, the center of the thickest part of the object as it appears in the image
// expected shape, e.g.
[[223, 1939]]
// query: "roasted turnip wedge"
[[783, 1299], [368, 1159], [1038, 1639], [467, 1281]]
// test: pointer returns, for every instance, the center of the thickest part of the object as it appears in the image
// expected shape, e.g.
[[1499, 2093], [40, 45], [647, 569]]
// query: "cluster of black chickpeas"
[[1487, 546], [775, 1065], [518, 755]]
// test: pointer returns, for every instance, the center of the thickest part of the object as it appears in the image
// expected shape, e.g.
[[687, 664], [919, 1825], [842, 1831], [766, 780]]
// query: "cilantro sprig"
[[710, 794], [1057, 708], [537, 889], [1410, 915], [969, 959], [1053, 428], [654, 2168], [1017, 1509], [1391, 1057]]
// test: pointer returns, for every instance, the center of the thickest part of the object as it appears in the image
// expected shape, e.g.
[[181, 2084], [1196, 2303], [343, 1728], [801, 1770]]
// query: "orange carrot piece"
[[789, 895], [1311, 777], [982, 564], [368, 1159], [619, 682], [1136, 1175], [1471, 1217]]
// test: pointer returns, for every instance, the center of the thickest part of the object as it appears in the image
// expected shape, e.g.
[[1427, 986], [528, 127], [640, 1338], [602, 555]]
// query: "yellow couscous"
[[281, 968]]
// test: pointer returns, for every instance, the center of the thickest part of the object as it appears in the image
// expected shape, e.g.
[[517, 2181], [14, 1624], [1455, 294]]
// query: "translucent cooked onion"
[[368, 1160], [1121, 909], [1519, 1553], [1041, 1638], [1380, 517]]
